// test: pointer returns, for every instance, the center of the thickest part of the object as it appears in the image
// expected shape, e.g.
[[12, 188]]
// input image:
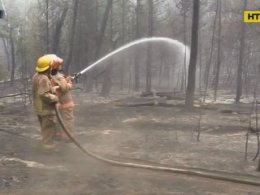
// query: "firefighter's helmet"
[[56, 61], [43, 63]]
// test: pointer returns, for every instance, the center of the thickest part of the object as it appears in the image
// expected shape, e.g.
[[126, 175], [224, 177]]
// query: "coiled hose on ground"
[[243, 179]]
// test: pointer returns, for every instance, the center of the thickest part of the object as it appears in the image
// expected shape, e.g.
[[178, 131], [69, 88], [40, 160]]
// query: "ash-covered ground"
[[161, 134]]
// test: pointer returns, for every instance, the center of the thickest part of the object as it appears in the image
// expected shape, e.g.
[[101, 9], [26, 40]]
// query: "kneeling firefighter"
[[63, 86], [44, 100]]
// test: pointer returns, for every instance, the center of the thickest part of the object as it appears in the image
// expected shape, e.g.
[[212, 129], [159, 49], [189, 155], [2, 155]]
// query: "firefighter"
[[44, 100], [66, 104]]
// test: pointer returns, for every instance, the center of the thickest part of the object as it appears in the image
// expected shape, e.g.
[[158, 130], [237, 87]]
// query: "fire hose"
[[224, 176]]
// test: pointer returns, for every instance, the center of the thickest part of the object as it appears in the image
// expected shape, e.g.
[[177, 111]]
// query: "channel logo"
[[252, 16]]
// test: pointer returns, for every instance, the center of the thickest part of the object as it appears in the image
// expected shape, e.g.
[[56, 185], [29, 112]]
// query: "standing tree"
[[103, 27], [108, 69], [149, 49], [193, 56], [219, 51], [209, 61], [72, 35], [12, 54], [137, 36], [123, 6], [184, 7], [58, 30], [47, 26], [241, 58]]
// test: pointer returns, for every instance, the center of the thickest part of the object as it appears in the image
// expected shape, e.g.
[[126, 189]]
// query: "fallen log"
[[142, 101], [14, 95], [168, 95], [230, 111]]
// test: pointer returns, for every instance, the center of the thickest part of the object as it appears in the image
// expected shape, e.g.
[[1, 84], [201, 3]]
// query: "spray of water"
[[134, 43]]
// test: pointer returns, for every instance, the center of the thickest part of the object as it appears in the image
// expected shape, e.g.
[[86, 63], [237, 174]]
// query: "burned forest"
[[129, 97]]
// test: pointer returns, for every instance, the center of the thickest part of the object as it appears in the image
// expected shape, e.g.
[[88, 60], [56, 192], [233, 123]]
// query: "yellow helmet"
[[43, 63]]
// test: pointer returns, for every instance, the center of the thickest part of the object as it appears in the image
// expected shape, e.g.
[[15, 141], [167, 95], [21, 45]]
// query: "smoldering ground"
[[143, 133]]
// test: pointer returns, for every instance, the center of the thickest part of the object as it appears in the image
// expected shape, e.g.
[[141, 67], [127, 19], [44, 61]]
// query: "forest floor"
[[157, 134]]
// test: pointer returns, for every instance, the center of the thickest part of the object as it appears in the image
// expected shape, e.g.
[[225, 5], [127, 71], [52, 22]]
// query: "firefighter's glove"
[[56, 87], [54, 98], [75, 77]]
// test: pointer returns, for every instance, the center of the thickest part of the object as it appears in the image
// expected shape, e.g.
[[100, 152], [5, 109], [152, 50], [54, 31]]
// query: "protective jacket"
[[63, 92], [43, 95]]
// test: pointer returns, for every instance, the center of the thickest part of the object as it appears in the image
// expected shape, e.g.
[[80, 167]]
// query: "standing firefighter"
[[44, 101], [66, 103]]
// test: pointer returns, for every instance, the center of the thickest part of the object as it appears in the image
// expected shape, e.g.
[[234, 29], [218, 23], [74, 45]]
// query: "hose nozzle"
[[75, 76]]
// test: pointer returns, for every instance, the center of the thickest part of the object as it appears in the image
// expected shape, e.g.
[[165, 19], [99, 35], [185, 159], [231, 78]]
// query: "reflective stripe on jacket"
[[43, 96]]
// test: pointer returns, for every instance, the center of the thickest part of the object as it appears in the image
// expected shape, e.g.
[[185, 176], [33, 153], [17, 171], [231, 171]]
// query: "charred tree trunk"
[[161, 69], [246, 72], [137, 36], [241, 59], [103, 28], [184, 74], [47, 26], [93, 81], [23, 58], [149, 49], [122, 75], [58, 30], [108, 69], [193, 56], [7, 53], [92, 43], [200, 62], [148, 69], [184, 7], [107, 80], [208, 65], [219, 52], [12, 55], [258, 167], [72, 36]]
